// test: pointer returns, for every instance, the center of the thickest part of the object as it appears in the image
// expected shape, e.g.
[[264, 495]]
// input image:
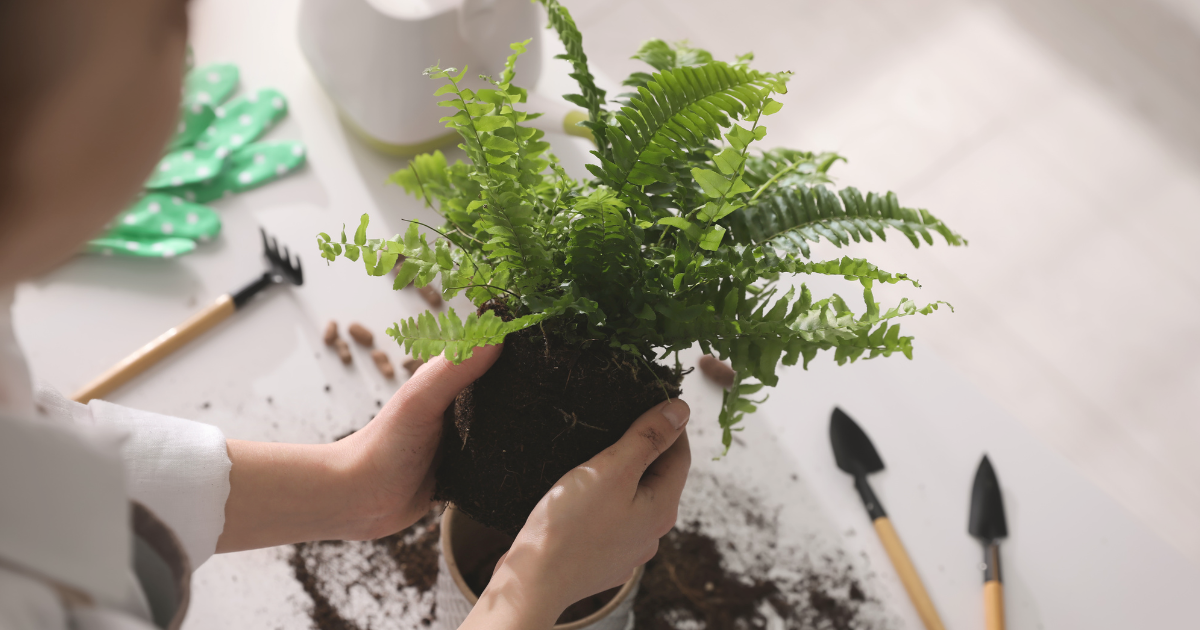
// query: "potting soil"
[[547, 405]]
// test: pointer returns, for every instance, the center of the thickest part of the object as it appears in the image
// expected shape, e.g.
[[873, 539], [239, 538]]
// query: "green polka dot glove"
[[213, 154]]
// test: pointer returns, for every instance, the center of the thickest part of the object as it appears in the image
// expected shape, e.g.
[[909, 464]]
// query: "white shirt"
[[67, 475]]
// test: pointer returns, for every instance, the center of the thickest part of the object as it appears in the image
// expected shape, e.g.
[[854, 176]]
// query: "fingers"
[[649, 437], [434, 386]]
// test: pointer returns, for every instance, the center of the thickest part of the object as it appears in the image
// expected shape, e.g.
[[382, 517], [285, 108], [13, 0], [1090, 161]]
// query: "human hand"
[[372, 483], [393, 456], [596, 525]]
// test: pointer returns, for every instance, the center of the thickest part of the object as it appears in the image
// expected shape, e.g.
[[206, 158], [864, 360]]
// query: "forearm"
[[508, 603], [285, 493]]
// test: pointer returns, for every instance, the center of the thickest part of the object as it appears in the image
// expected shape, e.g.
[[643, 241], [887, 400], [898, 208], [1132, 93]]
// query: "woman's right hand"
[[594, 527]]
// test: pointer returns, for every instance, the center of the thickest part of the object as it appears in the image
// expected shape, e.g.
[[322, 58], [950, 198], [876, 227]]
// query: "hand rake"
[[283, 269]]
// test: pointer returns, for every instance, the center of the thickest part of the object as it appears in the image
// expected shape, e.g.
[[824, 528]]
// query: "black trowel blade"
[[987, 507], [851, 447]]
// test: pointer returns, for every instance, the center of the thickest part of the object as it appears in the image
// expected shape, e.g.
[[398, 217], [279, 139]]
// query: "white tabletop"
[[1074, 559]]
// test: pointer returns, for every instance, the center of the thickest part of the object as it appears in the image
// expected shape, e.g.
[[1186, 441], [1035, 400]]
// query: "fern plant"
[[681, 237]]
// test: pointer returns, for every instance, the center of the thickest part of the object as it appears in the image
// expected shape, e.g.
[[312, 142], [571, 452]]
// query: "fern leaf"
[[784, 168], [603, 254], [849, 268], [426, 336], [677, 111], [791, 218], [591, 97], [663, 56]]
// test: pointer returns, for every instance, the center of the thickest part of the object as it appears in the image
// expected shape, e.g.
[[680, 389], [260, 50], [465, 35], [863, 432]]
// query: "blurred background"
[[1062, 138]]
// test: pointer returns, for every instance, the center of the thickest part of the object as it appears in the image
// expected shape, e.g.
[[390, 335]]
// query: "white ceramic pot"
[[466, 543], [369, 56]]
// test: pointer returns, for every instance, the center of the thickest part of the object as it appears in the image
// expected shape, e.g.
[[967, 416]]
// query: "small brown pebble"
[[343, 350], [361, 335], [381, 361], [716, 370], [396, 267], [330, 333], [410, 365], [431, 295]]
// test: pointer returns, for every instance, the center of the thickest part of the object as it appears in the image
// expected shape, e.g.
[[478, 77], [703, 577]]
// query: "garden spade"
[[989, 526], [283, 269], [855, 454]]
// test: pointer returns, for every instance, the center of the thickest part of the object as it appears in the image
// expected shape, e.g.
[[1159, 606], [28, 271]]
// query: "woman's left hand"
[[370, 484]]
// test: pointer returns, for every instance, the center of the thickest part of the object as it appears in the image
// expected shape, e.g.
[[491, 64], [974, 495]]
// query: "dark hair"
[[37, 45]]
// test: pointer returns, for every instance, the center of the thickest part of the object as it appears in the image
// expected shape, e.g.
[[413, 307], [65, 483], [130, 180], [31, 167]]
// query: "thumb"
[[649, 436], [431, 390]]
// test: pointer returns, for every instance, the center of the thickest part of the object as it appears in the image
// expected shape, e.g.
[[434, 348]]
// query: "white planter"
[[369, 56]]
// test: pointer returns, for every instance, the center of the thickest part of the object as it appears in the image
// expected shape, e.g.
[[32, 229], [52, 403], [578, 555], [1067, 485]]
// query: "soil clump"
[[550, 403]]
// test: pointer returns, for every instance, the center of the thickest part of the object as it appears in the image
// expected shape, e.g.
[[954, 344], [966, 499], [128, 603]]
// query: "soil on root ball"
[[549, 404]]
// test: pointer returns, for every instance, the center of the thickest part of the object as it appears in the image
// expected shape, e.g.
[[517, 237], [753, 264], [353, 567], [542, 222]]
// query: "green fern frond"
[[427, 335], [663, 56], [785, 168], [678, 111], [508, 157], [791, 218], [590, 97], [848, 268], [602, 252]]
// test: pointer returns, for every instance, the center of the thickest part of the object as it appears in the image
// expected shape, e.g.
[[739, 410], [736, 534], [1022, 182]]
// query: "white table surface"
[[1074, 560]]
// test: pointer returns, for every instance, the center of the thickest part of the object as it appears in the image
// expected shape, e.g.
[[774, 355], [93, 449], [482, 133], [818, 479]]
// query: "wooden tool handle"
[[156, 350], [993, 605], [908, 574]]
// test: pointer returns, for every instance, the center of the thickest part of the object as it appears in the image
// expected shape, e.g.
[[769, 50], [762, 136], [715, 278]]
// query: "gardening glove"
[[158, 225], [213, 154]]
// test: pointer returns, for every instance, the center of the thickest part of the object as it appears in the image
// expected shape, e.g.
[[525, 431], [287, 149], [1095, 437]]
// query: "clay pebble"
[[431, 295], [716, 370], [331, 332], [410, 365], [381, 361], [361, 335], [343, 350]]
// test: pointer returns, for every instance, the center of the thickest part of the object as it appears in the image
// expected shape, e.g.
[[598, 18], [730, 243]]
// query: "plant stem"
[[790, 167]]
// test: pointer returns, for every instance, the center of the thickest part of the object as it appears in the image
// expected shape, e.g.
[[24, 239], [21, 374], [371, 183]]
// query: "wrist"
[[285, 493], [514, 601]]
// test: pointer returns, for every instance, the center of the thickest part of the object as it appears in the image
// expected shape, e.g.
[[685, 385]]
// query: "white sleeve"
[[26, 604], [177, 468]]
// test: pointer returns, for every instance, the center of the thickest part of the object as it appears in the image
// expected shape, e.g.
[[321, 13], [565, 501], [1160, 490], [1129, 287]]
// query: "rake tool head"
[[284, 266]]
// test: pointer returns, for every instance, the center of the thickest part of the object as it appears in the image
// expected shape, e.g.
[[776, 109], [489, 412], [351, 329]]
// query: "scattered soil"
[[728, 569], [686, 583], [373, 584], [549, 404]]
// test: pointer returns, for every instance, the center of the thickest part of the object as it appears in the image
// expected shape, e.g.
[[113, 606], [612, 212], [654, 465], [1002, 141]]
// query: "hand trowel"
[[989, 526], [857, 456]]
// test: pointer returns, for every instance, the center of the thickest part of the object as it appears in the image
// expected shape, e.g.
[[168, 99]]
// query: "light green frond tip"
[[428, 335]]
